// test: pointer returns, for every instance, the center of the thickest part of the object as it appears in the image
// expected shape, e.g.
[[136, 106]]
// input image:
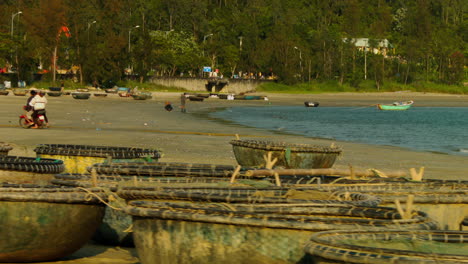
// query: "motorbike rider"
[[28, 108], [38, 103]]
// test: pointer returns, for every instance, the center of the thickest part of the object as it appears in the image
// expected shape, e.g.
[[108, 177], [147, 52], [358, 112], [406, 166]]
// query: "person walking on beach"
[[182, 103]]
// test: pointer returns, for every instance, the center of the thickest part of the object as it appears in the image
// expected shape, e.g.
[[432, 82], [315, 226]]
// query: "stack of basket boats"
[[210, 213]]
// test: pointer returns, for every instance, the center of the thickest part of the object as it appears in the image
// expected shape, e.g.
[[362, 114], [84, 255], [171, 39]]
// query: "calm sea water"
[[419, 128]]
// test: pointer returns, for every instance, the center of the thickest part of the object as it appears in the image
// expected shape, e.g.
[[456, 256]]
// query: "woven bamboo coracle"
[[243, 195], [78, 157], [167, 169], [247, 233], [388, 247], [43, 223], [113, 181], [97, 151], [250, 153], [15, 163], [446, 201], [15, 169]]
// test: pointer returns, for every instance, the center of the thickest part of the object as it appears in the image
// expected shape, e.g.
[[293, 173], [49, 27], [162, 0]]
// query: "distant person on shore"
[[182, 103], [168, 106], [62, 86]]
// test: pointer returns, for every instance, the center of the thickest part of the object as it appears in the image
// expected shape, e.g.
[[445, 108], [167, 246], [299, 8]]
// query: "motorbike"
[[25, 122]]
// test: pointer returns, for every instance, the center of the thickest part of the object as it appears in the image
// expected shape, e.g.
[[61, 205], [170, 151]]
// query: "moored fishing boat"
[[251, 153], [78, 157], [385, 247], [396, 106], [196, 232], [44, 223]]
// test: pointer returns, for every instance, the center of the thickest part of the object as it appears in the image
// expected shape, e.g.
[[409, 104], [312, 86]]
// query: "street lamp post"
[[300, 59], [12, 17], [204, 39], [206, 36], [89, 25], [129, 34]]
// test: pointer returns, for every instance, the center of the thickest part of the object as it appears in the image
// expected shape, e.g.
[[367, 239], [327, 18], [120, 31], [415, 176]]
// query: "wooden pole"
[[234, 174]]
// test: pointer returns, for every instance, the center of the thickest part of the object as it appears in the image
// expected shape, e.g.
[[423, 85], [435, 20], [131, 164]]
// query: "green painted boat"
[[195, 232], [388, 247], [250, 153], [44, 223], [396, 106]]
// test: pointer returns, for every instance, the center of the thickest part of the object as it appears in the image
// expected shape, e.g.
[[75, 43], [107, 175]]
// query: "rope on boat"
[[111, 197]]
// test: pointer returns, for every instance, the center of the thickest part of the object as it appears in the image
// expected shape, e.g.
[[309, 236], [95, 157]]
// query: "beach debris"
[[378, 173], [235, 173], [269, 163], [405, 214], [416, 176]]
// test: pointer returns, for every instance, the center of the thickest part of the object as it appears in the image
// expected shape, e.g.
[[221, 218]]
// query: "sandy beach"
[[192, 137]]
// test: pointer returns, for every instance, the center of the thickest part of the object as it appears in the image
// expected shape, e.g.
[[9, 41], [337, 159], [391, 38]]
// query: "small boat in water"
[[396, 105], [311, 104]]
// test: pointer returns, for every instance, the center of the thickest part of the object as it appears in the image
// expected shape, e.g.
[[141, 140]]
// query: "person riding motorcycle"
[[28, 108], [38, 104]]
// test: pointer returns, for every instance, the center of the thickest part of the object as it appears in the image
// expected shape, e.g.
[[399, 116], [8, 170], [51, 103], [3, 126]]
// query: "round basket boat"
[[142, 96], [445, 201], [168, 169], [196, 98], [55, 94], [55, 89], [250, 153], [114, 229], [81, 95], [388, 247], [4, 92], [191, 232], [15, 169], [44, 223], [218, 192], [4, 149], [77, 157], [20, 92], [100, 94], [448, 207]]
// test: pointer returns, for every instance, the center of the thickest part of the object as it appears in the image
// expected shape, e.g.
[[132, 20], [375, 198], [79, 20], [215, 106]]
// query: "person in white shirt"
[[38, 103]]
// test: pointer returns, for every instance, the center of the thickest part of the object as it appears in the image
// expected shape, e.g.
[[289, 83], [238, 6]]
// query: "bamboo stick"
[[277, 179], [94, 178], [312, 172], [234, 174]]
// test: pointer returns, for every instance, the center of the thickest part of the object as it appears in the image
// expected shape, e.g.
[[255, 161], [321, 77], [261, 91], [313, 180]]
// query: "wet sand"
[[191, 137]]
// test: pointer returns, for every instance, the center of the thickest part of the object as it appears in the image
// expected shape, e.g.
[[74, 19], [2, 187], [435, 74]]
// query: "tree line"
[[291, 40]]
